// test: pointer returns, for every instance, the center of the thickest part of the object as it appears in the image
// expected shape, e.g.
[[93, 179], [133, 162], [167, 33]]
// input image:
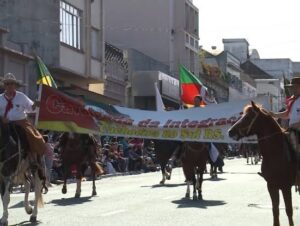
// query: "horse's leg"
[[287, 196], [65, 172], [168, 171], [199, 180], [274, 194], [163, 172], [78, 182], [187, 194], [200, 186], [38, 199], [216, 171], [94, 178], [27, 205], [5, 195], [194, 188]]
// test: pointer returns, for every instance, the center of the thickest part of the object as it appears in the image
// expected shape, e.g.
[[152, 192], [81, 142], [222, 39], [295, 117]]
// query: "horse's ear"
[[254, 106]]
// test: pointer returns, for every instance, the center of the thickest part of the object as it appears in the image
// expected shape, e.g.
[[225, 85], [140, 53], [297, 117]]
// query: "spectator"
[[49, 155]]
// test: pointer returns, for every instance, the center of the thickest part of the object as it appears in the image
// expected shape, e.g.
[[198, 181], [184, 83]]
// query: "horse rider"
[[293, 109], [293, 114], [14, 106]]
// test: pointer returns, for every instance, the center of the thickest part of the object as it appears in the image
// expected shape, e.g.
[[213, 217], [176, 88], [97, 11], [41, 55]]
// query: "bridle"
[[249, 127]]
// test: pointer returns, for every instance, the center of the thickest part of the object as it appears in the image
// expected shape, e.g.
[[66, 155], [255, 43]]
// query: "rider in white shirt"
[[14, 106], [293, 107]]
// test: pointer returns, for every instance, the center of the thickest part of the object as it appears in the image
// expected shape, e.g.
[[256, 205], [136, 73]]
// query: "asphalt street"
[[238, 197]]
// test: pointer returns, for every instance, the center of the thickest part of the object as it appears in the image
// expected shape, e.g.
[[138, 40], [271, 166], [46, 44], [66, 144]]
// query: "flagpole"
[[37, 109], [180, 100]]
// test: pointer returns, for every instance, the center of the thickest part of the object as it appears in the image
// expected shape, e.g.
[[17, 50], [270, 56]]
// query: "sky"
[[272, 27]]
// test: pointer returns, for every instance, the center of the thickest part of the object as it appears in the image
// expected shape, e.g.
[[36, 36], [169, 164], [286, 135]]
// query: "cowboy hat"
[[9, 77], [294, 81]]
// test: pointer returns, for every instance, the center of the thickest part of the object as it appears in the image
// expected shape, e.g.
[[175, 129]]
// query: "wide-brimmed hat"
[[294, 81], [9, 77]]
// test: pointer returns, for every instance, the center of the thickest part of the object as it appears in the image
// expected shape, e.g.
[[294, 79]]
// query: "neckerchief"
[[9, 104], [290, 102]]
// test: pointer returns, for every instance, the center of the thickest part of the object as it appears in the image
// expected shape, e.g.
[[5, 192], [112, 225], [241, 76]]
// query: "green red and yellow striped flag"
[[45, 77], [191, 86]]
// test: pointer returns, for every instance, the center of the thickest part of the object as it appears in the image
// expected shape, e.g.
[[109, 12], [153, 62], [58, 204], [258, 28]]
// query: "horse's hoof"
[[200, 197], [32, 219], [195, 198], [187, 195], [64, 190], [77, 195], [162, 182], [94, 193], [29, 210]]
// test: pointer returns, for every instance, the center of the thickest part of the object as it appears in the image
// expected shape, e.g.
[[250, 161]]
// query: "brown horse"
[[79, 150], [194, 156], [19, 166], [277, 169]]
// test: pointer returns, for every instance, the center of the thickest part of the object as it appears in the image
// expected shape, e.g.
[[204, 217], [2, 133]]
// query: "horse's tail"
[[38, 190], [40, 200], [97, 168]]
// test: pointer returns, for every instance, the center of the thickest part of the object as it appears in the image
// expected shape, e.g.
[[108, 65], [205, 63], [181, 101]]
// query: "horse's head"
[[247, 125]]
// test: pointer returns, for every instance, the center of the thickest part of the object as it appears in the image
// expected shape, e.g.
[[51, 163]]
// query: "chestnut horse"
[[278, 171], [194, 156], [19, 166], [79, 150]]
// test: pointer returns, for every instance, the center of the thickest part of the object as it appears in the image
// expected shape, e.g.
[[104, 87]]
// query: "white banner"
[[209, 124]]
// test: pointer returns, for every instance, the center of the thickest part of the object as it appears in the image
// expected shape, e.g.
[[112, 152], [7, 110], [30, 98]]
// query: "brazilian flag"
[[45, 77]]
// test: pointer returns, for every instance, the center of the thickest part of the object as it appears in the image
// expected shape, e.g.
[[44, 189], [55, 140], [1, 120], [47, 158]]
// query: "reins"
[[251, 125]]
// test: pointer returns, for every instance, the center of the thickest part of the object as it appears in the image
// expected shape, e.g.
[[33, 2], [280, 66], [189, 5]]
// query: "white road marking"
[[112, 213]]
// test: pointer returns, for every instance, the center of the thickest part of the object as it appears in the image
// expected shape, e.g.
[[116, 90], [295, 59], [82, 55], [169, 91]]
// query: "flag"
[[159, 102], [191, 86], [45, 77]]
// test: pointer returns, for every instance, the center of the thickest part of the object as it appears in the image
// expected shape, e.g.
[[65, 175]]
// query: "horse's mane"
[[263, 111]]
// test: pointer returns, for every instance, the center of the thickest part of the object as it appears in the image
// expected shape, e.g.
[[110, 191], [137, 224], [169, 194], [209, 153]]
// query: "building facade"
[[13, 59], [67, 35], [165, 30]]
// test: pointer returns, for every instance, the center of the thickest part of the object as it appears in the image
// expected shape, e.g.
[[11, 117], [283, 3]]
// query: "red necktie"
[[9, 104], [290, 102]]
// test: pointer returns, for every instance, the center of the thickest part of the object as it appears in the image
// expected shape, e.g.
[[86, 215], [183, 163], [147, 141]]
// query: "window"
[[70, 25], [95, 43]]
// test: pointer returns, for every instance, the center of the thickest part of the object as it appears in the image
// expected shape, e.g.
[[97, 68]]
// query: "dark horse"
[[19, 166], [277, 169], [79, 150], [194, 156], [166, 151]]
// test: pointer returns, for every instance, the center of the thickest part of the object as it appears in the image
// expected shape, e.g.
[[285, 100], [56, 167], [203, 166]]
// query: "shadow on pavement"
[[27, 223], [189, 203], [21, 205], [70, 201], [163, 185], [214, 179]]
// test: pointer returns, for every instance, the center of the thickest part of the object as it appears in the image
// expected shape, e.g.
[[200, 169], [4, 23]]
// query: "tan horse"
[[17, 168]]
